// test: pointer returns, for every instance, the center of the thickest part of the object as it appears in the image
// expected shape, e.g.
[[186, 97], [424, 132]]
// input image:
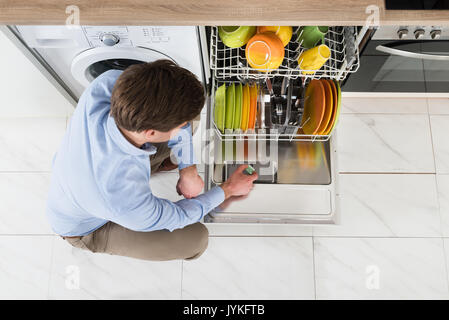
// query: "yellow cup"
[[313, 59]]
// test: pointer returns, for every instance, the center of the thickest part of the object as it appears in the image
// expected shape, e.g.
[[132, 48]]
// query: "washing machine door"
[[89, 64]]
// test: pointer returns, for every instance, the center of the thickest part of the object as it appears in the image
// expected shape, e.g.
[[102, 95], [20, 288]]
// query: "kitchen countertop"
[[214, 12]]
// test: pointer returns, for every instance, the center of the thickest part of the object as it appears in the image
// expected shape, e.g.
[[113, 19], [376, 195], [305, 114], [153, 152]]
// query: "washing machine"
[[78, 54]]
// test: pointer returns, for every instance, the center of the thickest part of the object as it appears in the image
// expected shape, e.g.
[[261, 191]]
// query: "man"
[[121, 132]]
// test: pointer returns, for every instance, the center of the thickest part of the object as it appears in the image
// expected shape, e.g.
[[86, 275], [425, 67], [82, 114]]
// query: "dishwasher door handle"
[[413, 55]]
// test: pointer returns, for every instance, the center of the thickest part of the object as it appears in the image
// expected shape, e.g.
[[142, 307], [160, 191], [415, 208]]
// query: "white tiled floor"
[[391, 243], [387, 205], [385, 143], [256, 268], [31, 142], [77, 274], [386, 105], [440, 136], [443, 197], [25, 263], [22, 209], [380, 268]]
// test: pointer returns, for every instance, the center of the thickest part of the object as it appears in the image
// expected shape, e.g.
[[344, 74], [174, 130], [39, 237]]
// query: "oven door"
[[402, 66]]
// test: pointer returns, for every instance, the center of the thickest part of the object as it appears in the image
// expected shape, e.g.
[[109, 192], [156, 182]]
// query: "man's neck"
[[134, 140]]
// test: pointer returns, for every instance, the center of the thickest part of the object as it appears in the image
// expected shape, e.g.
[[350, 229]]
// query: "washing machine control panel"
[[153, 35], [107, 36], [110, 39]]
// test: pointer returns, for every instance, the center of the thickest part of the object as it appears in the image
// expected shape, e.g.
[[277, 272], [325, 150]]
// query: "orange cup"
[[283, 32], [265, 51]]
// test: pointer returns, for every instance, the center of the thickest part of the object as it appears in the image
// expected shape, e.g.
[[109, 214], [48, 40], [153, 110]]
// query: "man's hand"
[[190, 183], [239, 183]]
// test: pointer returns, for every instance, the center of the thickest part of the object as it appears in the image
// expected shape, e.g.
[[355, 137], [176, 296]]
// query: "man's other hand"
[[190, 183]]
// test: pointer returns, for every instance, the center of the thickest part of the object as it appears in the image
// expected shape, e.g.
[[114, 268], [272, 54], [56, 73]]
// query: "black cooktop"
[[417, 4]]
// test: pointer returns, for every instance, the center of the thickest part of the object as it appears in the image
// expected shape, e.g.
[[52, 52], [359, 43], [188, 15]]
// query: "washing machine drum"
[[89, 64]]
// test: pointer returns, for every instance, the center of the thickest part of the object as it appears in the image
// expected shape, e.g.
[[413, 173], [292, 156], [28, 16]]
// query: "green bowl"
[[236, 36]]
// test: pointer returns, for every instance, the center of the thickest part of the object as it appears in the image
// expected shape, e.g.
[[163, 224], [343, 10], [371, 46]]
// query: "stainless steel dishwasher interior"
[[297, 162]]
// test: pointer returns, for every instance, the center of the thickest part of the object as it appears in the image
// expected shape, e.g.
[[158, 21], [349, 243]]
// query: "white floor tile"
[[438, 106], [385, 143], [384, 105], [25, 266], [380, 269], [163, 185], [443, 197], [257, 230], [80, 274], [29, 144], [440, 136], [251, 268], [28, 93], [24, 197], [382, 205], [446, 250]]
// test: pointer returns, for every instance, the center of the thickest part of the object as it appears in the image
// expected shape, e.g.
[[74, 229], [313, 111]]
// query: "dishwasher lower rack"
[[259, 133], [231, 62]]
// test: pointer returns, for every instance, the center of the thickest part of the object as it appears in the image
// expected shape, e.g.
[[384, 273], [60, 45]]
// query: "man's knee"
[[200, 240]]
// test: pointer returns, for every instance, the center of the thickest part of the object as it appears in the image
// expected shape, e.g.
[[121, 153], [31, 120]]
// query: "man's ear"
[[149, 133]]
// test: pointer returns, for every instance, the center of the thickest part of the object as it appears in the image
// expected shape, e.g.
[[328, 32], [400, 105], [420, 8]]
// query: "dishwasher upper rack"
[[231, 62], [257, 133]]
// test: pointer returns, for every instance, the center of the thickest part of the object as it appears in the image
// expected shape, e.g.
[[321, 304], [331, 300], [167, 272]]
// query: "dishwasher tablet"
[[249, 171]]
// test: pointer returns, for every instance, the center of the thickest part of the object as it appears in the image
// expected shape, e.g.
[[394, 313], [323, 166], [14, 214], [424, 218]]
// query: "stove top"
[[417, 4]]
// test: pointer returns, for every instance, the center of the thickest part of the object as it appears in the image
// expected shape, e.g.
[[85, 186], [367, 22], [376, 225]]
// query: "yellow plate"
[[238, 106], [327, 108], [337, 108], [313, 107], [245, 108], [334, 108]]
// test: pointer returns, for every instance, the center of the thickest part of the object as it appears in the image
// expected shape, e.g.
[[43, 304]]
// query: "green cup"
[[236, 36], [309, 36]]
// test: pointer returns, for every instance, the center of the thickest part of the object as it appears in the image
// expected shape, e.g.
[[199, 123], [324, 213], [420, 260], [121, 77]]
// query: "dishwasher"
[[298, 173]]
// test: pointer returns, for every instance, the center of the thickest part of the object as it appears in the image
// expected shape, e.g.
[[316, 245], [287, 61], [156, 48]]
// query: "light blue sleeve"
[[136, 208], [182, 147]]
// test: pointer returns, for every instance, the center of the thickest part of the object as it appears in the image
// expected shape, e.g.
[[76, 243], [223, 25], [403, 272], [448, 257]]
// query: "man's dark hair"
[[158, 95]]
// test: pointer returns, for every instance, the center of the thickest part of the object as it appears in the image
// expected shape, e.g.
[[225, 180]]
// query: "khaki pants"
[[187, 243]]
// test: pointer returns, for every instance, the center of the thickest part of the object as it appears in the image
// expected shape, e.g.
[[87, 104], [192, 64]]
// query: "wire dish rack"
[[231, 62], [288, 133]]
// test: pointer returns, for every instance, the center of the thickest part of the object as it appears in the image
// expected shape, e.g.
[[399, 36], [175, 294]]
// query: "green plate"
[[220, 103], [238, 106], [230, 106]]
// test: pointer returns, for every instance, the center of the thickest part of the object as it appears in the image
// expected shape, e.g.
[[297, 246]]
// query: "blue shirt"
[[99, 176]]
